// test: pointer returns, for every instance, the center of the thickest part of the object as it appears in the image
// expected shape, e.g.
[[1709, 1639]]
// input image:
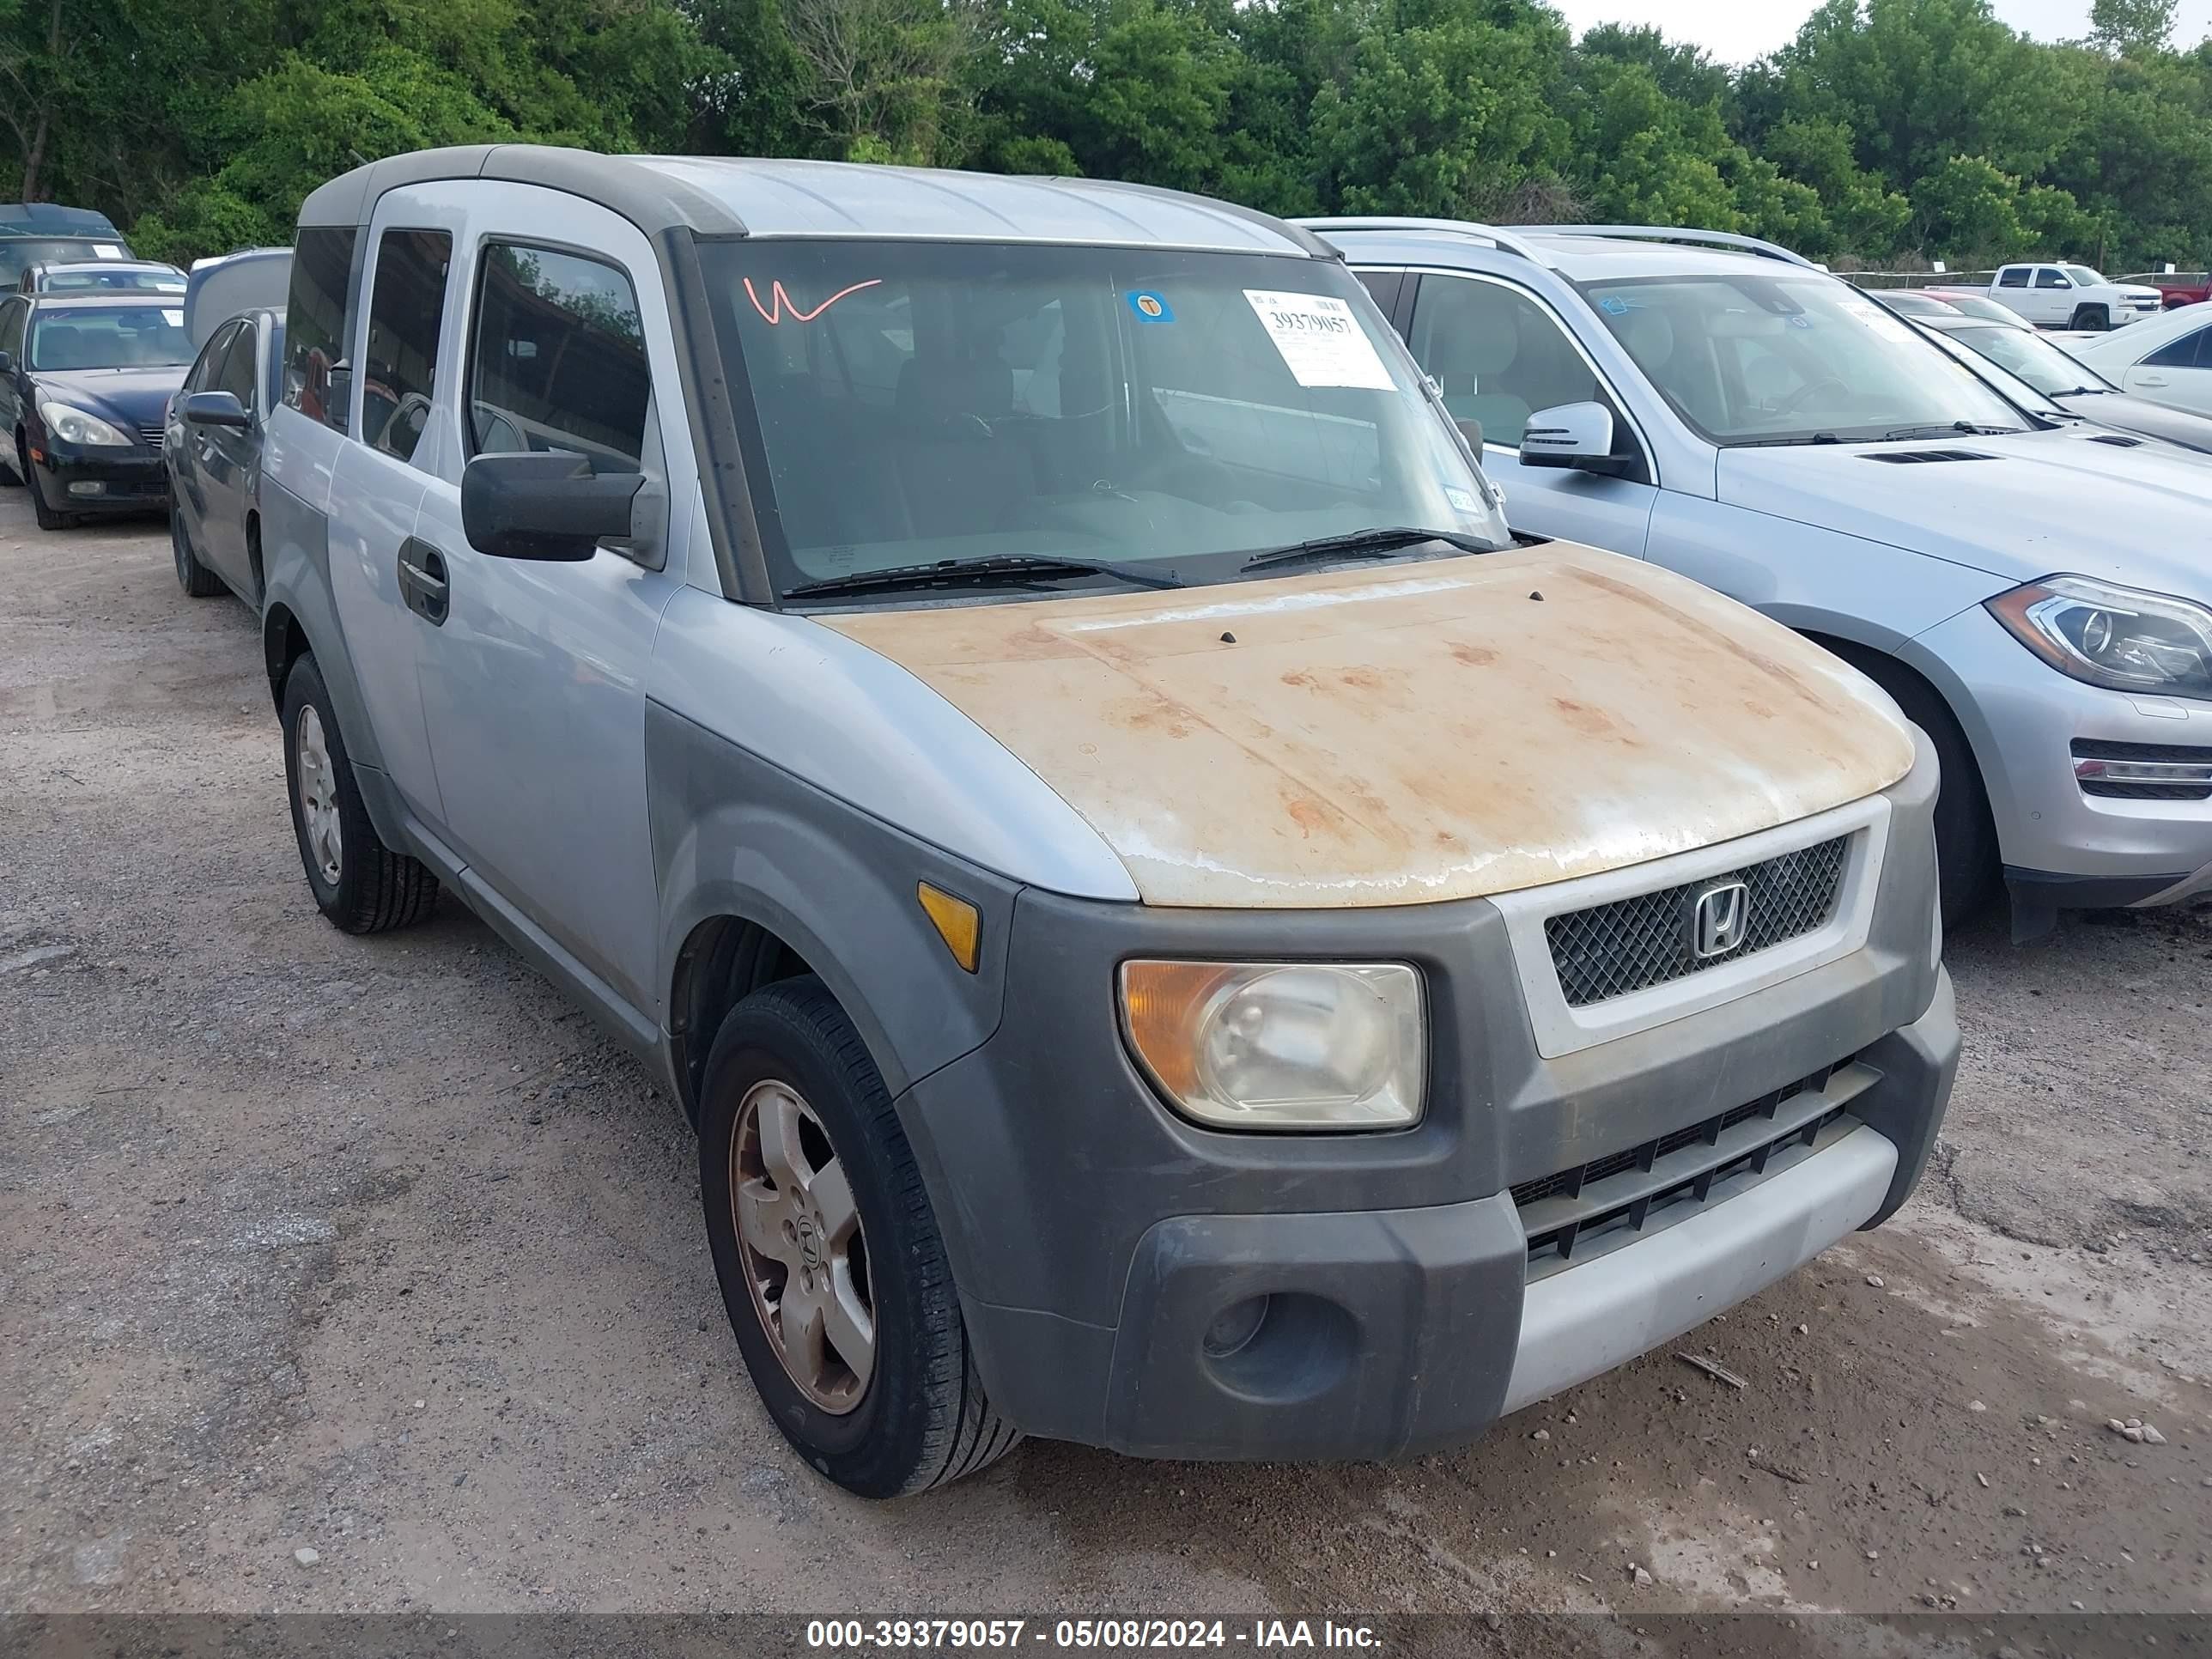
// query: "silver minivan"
[[1176, 930]]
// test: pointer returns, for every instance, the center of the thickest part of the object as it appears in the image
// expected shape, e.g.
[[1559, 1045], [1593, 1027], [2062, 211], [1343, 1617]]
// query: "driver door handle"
[[422, 581]]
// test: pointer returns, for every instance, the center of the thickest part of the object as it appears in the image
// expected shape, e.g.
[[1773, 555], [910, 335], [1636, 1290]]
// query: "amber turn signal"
[[958, 923]]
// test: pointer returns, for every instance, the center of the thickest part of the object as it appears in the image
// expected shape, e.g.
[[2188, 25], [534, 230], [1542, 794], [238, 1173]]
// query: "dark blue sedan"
[[85, 385]]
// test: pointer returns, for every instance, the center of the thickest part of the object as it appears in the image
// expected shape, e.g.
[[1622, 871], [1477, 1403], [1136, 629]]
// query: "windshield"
[[18, 254], [2084, 276], [2044, 365], [1790, 358], [917, 403], [109, 336], [116, 279]]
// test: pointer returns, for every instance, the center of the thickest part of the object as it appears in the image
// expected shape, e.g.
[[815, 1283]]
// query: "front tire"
[[2093, 319], [833, 1272], [1965, 834], [195, 578], [359, 885]]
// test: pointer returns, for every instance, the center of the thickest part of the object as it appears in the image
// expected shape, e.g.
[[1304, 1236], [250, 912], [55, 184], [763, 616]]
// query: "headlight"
[[74, 426], [2114, 636], [1281, 1045]]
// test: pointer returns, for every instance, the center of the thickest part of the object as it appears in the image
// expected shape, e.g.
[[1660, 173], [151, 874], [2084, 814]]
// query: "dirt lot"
[[374, 1248]]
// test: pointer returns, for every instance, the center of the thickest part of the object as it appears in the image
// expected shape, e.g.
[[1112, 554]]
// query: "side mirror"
[[546, 504], [216, 409], [1579, 436], [1472, 431]]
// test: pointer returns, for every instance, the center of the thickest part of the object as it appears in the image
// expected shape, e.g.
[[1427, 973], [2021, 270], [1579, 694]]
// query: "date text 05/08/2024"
[[1258, 1635]]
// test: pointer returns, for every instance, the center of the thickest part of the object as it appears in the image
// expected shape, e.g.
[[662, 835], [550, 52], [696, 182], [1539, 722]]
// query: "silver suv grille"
[[1634, 943]]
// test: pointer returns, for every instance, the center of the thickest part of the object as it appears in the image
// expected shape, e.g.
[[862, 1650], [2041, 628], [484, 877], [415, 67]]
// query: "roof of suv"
[[723, 196], [1578, 256]]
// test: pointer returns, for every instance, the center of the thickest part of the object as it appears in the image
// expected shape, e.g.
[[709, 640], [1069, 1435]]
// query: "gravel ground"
[[374, 1248]]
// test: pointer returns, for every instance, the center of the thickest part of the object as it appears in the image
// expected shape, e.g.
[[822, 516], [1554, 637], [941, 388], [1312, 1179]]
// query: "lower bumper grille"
[[1625, 1191], [151, 436], [2142, 771]]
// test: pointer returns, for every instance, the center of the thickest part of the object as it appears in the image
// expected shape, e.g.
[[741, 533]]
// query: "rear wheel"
[[359, 885], [2094, 319], [833, 1272], [195, 578]]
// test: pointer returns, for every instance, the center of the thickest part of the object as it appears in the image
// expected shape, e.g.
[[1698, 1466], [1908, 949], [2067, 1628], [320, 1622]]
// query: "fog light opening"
[[86, 487], [1235, 1326]]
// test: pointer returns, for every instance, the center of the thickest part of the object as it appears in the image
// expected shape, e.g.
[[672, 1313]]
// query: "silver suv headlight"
[[2109, 636], [1289, 1045]]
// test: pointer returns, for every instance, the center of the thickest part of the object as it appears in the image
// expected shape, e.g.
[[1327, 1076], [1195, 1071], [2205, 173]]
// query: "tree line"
[[1887, 131]]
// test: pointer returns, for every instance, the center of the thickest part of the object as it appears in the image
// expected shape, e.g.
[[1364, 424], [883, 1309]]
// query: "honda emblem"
[[1719, 919]]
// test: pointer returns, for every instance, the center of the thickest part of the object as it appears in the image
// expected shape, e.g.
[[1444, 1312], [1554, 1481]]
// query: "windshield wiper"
[[1362, 544], [1941, 428], [1783, 443], [966, 572]]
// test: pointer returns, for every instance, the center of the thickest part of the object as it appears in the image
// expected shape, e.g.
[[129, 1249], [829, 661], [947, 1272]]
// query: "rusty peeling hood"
[[1407, 733]]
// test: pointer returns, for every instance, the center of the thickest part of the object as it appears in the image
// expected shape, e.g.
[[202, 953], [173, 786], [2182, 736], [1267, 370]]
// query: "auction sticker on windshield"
[[1322, 342]]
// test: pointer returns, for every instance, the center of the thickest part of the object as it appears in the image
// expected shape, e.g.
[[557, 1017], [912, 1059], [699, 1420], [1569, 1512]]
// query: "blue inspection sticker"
[[1614, 306], [1150, 307]]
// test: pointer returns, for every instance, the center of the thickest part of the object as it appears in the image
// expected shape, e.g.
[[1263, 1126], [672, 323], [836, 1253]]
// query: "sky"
[[1737, 31]]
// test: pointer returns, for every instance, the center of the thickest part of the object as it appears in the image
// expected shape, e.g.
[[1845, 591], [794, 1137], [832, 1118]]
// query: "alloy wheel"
[[806, 1258], [318, 795]]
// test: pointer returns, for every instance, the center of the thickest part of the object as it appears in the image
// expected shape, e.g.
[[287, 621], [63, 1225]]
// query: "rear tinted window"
[[2183, 353], [319, 322], [407, 311], [2013, 277]]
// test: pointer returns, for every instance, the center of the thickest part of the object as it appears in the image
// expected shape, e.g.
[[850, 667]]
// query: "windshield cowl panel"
[[1790, 358], [1144, 413]]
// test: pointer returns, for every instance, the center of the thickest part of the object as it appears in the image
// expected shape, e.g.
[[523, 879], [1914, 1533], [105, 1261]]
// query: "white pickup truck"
[[2073, 296]]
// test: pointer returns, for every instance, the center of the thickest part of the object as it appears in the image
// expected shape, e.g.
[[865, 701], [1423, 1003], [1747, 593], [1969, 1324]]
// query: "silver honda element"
[[1176, 930]]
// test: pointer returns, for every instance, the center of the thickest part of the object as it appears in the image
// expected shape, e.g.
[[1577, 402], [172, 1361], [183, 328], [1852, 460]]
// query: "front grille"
[[1624, 1190], [151, 436], [2142, 771], [1634, 943]]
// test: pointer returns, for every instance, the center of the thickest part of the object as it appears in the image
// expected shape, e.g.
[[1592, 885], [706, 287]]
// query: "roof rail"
[[1491, 235], [1725, 238]]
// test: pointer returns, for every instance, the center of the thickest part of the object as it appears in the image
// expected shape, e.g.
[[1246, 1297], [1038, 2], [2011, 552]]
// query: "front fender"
[[735, 837]]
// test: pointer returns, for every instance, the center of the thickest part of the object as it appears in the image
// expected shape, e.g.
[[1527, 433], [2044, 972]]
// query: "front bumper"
[[109, 480], [2062, 848], [1109, 1253]]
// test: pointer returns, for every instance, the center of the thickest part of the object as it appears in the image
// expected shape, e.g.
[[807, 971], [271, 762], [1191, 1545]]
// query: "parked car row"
[[1184, 919]]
